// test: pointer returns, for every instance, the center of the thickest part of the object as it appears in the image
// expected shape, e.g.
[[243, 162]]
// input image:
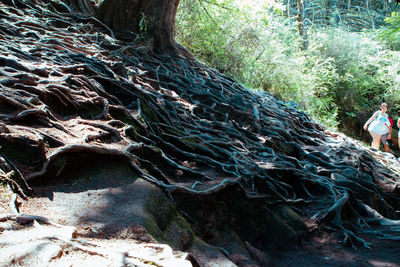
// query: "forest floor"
[[97, 205], [326, 250], [107, 215], [71, 96]]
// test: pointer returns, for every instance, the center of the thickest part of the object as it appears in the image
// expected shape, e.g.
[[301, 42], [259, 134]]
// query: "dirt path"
[[108, 209], [98, 201], [98, 220], [327, 251]]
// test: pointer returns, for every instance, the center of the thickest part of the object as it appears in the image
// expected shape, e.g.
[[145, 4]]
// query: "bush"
[[391, 34], [340, 79]]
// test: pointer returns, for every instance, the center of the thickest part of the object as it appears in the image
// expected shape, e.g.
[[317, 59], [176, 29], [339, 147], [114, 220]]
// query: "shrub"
[[340, 79], [391, 33]]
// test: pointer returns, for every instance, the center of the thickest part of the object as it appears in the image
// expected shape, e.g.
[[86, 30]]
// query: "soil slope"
[[110, 149]]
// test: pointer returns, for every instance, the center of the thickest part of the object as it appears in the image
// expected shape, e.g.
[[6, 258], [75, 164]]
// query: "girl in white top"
[[398, 125], [378, 125]]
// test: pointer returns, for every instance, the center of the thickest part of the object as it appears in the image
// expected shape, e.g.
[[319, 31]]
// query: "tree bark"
[[300, 25], [154, 20], [85, 7]]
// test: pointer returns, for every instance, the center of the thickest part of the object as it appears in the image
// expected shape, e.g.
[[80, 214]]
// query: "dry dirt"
[[110, 212], [327, 251], [107, 212]]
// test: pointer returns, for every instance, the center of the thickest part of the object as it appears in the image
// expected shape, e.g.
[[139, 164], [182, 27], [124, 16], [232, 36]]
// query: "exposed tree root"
[[182, 126]]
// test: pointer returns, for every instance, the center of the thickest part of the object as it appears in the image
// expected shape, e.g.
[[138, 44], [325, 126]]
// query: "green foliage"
[[198, 28], [394, 21], [391, 34], [340, 78]]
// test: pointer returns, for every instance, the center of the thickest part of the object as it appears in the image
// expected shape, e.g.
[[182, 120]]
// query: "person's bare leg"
[[376, 139], [386, 147], [376, 143], [384, 142]]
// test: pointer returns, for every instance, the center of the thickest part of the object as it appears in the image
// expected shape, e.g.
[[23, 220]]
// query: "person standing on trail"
[[385, 138], [378, 125], [398, 125]]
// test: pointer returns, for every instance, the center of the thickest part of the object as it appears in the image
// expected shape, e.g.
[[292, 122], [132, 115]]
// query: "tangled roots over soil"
[[70, 92]]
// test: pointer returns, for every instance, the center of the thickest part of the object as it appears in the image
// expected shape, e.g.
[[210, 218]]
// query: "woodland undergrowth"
[[340, 79]]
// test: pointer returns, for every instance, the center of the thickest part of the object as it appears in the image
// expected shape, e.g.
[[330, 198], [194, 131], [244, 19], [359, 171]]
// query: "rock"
[[209, 256], [294, 220]]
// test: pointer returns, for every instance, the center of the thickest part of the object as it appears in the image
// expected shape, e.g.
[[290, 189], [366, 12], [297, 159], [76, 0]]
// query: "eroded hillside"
[[99, 133]]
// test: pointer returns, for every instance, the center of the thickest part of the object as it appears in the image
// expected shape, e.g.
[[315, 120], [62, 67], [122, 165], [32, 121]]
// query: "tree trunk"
[[85, 7], [154, 20], [301, 26]]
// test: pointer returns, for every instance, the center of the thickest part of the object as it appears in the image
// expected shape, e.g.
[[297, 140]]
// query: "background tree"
[[301, 16]]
